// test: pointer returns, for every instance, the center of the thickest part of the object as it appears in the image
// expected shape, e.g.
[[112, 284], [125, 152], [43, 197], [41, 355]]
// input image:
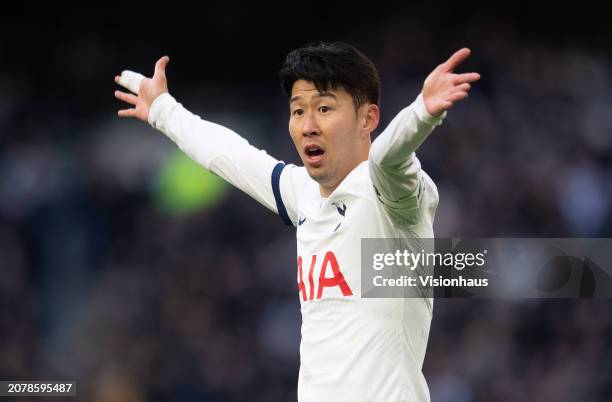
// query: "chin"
[[317, 174]]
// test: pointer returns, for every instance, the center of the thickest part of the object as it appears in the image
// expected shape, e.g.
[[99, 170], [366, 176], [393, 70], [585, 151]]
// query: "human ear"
[[371, 118]]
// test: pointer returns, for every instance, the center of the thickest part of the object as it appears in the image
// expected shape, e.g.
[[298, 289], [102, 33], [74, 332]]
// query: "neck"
[[363, 152], [328, 188]]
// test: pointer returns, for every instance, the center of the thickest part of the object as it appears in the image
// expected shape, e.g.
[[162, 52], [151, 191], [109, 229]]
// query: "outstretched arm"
[[213, 146], [394, 167]]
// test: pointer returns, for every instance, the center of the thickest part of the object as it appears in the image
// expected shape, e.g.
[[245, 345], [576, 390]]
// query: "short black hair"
[[331, 65]]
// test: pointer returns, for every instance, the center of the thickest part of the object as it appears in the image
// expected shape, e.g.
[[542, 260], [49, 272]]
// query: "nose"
[[310, 126]]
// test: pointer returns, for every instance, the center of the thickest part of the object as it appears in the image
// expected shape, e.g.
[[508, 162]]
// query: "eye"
[[324, 109], [297, 112]]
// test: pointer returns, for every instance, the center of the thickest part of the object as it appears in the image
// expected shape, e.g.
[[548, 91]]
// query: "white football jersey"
[[352, 348]]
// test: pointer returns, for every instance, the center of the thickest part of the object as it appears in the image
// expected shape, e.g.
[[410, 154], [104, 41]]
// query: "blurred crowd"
[[99, 285]]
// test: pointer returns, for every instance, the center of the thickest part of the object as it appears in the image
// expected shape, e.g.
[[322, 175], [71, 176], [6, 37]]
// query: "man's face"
[[331, 137]]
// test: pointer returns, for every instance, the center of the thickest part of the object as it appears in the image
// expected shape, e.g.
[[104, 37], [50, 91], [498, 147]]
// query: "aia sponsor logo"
[[329, 266]]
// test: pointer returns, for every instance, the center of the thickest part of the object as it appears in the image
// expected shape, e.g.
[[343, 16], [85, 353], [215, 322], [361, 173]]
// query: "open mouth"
[[314, 154]]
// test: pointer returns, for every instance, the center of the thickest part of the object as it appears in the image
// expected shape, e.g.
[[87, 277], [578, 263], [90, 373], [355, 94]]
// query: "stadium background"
[[120, 269]]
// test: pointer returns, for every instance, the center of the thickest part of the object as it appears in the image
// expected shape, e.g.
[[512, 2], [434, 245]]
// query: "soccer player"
[[352, 348]]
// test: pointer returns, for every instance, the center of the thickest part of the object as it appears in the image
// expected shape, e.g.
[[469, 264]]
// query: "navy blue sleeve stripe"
[[282, 211]]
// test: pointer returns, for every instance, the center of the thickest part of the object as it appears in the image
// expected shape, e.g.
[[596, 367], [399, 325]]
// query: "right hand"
[[148, 90]]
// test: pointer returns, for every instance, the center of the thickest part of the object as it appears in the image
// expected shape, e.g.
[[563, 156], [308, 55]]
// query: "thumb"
[[160, 66]]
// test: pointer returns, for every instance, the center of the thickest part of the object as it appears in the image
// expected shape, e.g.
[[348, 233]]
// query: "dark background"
[[100, 284]]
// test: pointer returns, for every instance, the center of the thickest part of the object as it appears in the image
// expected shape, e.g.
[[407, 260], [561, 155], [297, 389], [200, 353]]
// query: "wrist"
[[161, 103], [424, 114]]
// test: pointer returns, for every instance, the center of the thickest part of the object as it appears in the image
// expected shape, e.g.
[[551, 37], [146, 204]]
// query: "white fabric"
[[352, 349], [394, 168], [217, 148]]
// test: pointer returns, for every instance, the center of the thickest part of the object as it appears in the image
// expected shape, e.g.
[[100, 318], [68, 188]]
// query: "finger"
[[127, 113], [446, 105], [457, 58], [130, 80], [457, 96], [463, 87], [160, 66], [466, 77], [128, 98]]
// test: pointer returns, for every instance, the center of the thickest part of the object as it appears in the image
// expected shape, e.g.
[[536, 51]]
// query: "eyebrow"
[[319, 95]]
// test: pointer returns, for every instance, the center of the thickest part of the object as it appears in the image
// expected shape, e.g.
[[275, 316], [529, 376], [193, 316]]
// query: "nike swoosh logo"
[[301, 220]]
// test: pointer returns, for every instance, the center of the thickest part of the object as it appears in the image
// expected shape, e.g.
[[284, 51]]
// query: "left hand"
[[442, 88]]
